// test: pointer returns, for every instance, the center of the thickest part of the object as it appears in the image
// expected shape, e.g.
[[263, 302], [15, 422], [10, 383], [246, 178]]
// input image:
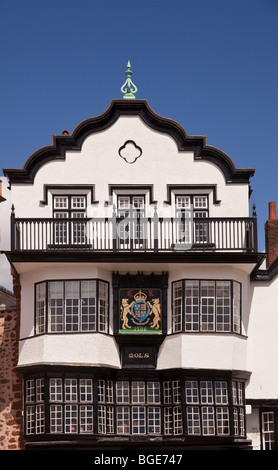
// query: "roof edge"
[[116, 108]]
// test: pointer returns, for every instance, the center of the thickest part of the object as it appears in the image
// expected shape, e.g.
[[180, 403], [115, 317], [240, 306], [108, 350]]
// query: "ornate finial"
[[131, 89], [254, 214]]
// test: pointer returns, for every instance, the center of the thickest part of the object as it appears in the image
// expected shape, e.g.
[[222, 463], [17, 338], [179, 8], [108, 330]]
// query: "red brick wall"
[[11, 403], [271, 235]]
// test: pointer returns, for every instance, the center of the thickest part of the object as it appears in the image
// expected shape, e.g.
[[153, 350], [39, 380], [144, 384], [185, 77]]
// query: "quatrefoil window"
[[130, 152]]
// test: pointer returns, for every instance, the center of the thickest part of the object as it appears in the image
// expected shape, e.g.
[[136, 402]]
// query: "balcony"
[[155, 234]]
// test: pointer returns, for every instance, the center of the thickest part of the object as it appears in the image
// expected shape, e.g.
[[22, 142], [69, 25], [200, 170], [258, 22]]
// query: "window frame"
[[70, 222], [69, 210], [44, 322], [235, 314], [198, 233], [274, 433]]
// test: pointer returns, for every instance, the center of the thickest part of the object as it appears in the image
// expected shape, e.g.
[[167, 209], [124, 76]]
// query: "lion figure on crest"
[[156, 310], [125, 310]]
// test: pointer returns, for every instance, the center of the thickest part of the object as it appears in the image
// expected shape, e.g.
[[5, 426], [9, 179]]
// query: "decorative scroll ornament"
[[129, 89]]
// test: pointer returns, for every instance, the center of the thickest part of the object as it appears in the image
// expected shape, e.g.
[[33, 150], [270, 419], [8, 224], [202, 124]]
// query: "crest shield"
[[140, 311]]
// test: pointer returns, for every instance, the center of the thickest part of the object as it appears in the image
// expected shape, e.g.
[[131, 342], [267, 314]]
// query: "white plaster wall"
[[203, 351], [5, 212], [94, 349], [262, 340], [161, 163]]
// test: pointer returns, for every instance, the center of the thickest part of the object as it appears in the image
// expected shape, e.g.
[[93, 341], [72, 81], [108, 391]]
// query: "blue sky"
[[212, 65]]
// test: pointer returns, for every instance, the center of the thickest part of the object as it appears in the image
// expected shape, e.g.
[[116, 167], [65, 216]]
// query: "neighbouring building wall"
[[10, 380]]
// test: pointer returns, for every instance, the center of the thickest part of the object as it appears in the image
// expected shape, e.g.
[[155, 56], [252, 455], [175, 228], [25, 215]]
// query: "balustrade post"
[[255, 230], [13, 228], [155, 229], [114, 228]]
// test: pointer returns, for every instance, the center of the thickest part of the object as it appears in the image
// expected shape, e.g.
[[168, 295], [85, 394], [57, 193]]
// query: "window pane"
[[193, 420], [138, 392], [177, 306], [72, 306], [200, 202], [154, 420], [221, 393], [61, 202], [206, 392], [153, 392], [207, 306], [268, 430], [103, 306], [40, 308], [55, 389], [138, 202], [86, 419], [123, 202], [191, 391], [167, 392], [86, 390], [192, 306], [123, 424], [55, 306], [78, 202], [56, 418], [183, 202], [30, 391], [88, 306], [39, 419], [222, 420], [61, 229], [40, 390], [71, 417], [122, 391], [177, 420], [30, 419], [223, 306], [208, 420], [70, 389], [138, 420], [236, 307]]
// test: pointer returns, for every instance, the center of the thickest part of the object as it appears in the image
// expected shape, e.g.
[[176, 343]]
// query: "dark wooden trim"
[[265, 275], [131, 190], [67, 188], [175, 188], [262, 402], [87, 256], [73, 142]]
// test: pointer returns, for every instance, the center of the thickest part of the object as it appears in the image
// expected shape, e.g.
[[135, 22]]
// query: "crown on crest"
[[140, 296]]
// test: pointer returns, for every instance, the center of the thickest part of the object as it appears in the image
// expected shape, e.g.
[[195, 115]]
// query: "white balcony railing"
[[131, 234]]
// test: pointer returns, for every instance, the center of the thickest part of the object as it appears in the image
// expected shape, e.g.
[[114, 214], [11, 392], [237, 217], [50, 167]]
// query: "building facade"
[[142, 301]]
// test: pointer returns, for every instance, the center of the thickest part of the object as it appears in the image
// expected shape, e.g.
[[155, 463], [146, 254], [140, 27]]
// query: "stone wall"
[[11, 399]]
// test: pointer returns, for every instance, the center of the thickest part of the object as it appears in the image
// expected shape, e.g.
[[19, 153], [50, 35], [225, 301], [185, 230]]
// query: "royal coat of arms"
[[140, 311]]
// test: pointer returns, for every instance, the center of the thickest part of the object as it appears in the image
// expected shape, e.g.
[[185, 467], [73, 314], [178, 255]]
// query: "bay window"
[[71, 306], [92, 404], [206, 306]]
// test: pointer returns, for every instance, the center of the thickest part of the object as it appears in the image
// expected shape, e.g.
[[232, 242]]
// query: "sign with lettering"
[[140, 311], [139, 356]]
